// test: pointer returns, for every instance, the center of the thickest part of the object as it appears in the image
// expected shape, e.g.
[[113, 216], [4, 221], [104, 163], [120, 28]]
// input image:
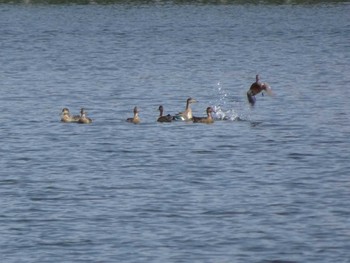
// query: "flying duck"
[[256, 88]]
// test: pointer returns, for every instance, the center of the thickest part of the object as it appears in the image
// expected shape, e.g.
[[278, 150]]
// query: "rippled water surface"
[[269, 184]]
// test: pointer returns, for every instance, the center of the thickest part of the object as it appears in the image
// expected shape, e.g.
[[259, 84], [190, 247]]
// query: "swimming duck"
[[136, 118], [167, 118], [66, 117], [208, 119], [83, 118], [187, 114]]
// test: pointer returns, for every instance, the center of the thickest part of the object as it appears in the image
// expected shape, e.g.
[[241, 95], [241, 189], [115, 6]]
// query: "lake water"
[[270, 184]]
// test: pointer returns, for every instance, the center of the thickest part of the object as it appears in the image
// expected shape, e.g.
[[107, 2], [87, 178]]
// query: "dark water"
[[271, 184]]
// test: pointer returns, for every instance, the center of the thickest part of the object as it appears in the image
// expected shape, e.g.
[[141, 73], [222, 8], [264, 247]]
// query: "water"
[[270, 184]]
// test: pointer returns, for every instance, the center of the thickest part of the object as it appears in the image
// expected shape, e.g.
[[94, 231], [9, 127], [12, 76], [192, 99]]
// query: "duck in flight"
[[256, 88]]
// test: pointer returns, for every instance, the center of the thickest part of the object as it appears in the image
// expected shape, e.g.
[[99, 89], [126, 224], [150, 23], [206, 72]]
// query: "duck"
[[67, 117], [161, 118], [136, 118], [187, 114], [256, 88], [83, 118], [208, 119]]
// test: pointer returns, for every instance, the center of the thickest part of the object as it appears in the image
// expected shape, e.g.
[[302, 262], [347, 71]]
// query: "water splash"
[[221, 114], [225, 106]]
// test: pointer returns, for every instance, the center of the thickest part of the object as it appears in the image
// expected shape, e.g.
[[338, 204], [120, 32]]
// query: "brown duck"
[[136, 118], [208, 119]]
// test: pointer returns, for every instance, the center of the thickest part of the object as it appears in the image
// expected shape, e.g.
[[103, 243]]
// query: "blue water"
[[270, 184]]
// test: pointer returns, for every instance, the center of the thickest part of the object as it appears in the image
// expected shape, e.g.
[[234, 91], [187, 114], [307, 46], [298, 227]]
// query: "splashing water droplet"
[[225, 107]]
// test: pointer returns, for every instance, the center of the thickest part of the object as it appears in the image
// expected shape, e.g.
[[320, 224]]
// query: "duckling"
[[83, 118], [187, 114], [208, 119], [136, 118], [67, 117], [161, 118]]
